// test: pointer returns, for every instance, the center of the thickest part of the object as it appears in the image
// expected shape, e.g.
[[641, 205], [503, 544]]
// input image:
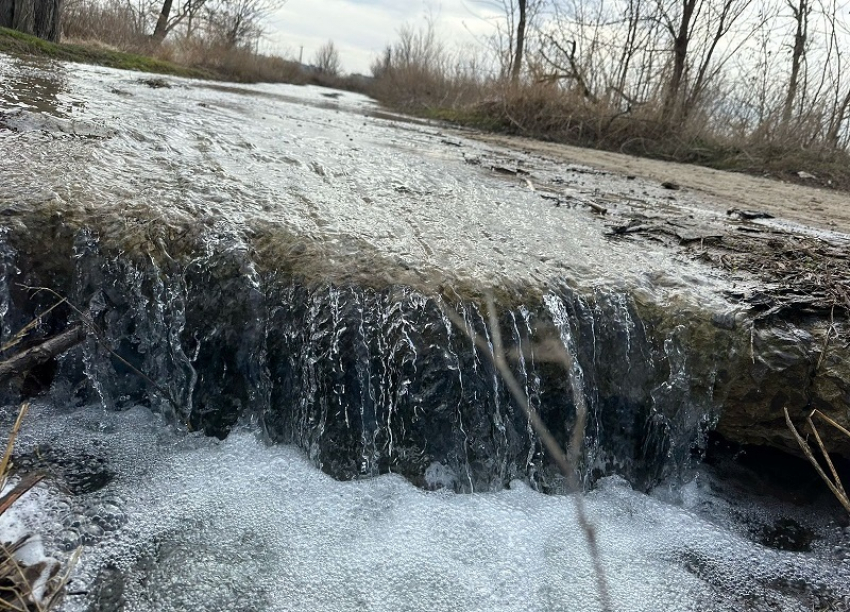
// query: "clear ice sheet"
[[191, 523], [326, 169]]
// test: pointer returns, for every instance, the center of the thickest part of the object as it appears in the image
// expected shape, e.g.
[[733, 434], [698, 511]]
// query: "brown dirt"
[[801, 257], [809, 206]]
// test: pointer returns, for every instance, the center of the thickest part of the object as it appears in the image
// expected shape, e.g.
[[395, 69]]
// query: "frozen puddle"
[[181, 522]]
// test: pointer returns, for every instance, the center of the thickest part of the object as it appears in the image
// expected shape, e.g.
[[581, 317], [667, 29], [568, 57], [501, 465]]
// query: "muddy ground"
[[795, 239], [809, 206]]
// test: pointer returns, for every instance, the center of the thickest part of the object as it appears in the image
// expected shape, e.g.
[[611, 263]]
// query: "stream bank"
[[278, 261]]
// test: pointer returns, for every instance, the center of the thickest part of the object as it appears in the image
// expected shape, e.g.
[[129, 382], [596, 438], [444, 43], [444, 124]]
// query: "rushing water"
[[278, 263]]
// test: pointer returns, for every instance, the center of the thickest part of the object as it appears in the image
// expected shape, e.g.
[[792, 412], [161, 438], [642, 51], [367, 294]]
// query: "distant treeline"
[[759, 86]]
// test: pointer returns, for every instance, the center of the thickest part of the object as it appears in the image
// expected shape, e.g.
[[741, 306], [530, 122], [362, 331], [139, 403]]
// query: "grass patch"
[[465, 117], [18, 43]]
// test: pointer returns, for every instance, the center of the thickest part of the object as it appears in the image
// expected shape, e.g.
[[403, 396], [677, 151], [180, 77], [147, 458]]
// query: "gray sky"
[[361, 29]]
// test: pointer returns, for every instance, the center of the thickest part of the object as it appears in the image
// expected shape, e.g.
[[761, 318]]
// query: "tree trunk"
[[7, 12], [161, 28], [801, 15], [834, 134], [680, 58], [520, 42], [37, 17]]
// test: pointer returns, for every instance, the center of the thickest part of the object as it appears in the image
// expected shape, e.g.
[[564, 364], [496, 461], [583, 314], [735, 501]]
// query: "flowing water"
[[311, 430]]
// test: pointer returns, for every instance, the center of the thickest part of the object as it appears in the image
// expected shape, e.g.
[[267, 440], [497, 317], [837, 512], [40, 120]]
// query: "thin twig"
[[16, 339], [835, 478], [59, 590], [829, 420], [567, 463], [807, 451], [101, 339]]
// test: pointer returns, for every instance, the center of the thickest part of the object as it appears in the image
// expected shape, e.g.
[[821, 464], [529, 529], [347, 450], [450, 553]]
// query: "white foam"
[[238, 525]]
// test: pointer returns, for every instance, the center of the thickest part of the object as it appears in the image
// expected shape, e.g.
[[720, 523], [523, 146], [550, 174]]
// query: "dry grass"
[[431, 82], [112, 24], [117, 27], [35, 587]]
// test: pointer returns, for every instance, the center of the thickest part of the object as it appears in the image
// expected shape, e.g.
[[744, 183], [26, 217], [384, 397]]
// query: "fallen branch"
[[42, 353], [833, 483], [101, 339]]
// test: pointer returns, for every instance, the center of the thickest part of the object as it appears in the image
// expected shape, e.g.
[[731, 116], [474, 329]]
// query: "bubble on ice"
[[191, 523]]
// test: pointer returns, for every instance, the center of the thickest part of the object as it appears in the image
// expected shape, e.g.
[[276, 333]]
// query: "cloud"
[[361, 29]]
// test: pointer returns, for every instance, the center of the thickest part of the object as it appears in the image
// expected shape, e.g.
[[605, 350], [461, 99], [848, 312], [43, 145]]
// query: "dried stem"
[[10, 444], [16, 339], [567, 463], [24, 588]]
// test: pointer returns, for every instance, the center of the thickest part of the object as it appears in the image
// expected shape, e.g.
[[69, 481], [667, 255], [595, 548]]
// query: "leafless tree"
[[516, 66], [513, 25], [234, 22], [719, 20], [801, 10], [168, 20], [327, 60], [239, 22]]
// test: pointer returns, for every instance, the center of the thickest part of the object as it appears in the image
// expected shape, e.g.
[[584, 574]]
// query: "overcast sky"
[[361, 29]]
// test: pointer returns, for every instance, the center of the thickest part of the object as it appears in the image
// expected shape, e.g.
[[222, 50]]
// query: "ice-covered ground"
[[175, 521]]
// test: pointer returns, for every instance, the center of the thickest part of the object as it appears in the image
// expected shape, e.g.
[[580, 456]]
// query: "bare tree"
[[521, 25], [239, 22], [720, 19], [327, 60], [234, 22], [801, 10], [167, 21], [513, 25], [679, 22]]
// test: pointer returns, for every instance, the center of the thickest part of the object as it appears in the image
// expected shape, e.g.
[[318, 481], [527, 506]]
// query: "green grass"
[[18, 43], [465, 117]]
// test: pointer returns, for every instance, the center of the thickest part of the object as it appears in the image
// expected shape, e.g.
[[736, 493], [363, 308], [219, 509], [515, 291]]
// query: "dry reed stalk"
[[16, 339], [10, 444], [567, 463], [26, 588], [833, 481]]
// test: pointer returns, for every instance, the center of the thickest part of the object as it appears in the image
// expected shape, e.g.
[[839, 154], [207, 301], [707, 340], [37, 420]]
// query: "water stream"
[[311, 431]]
